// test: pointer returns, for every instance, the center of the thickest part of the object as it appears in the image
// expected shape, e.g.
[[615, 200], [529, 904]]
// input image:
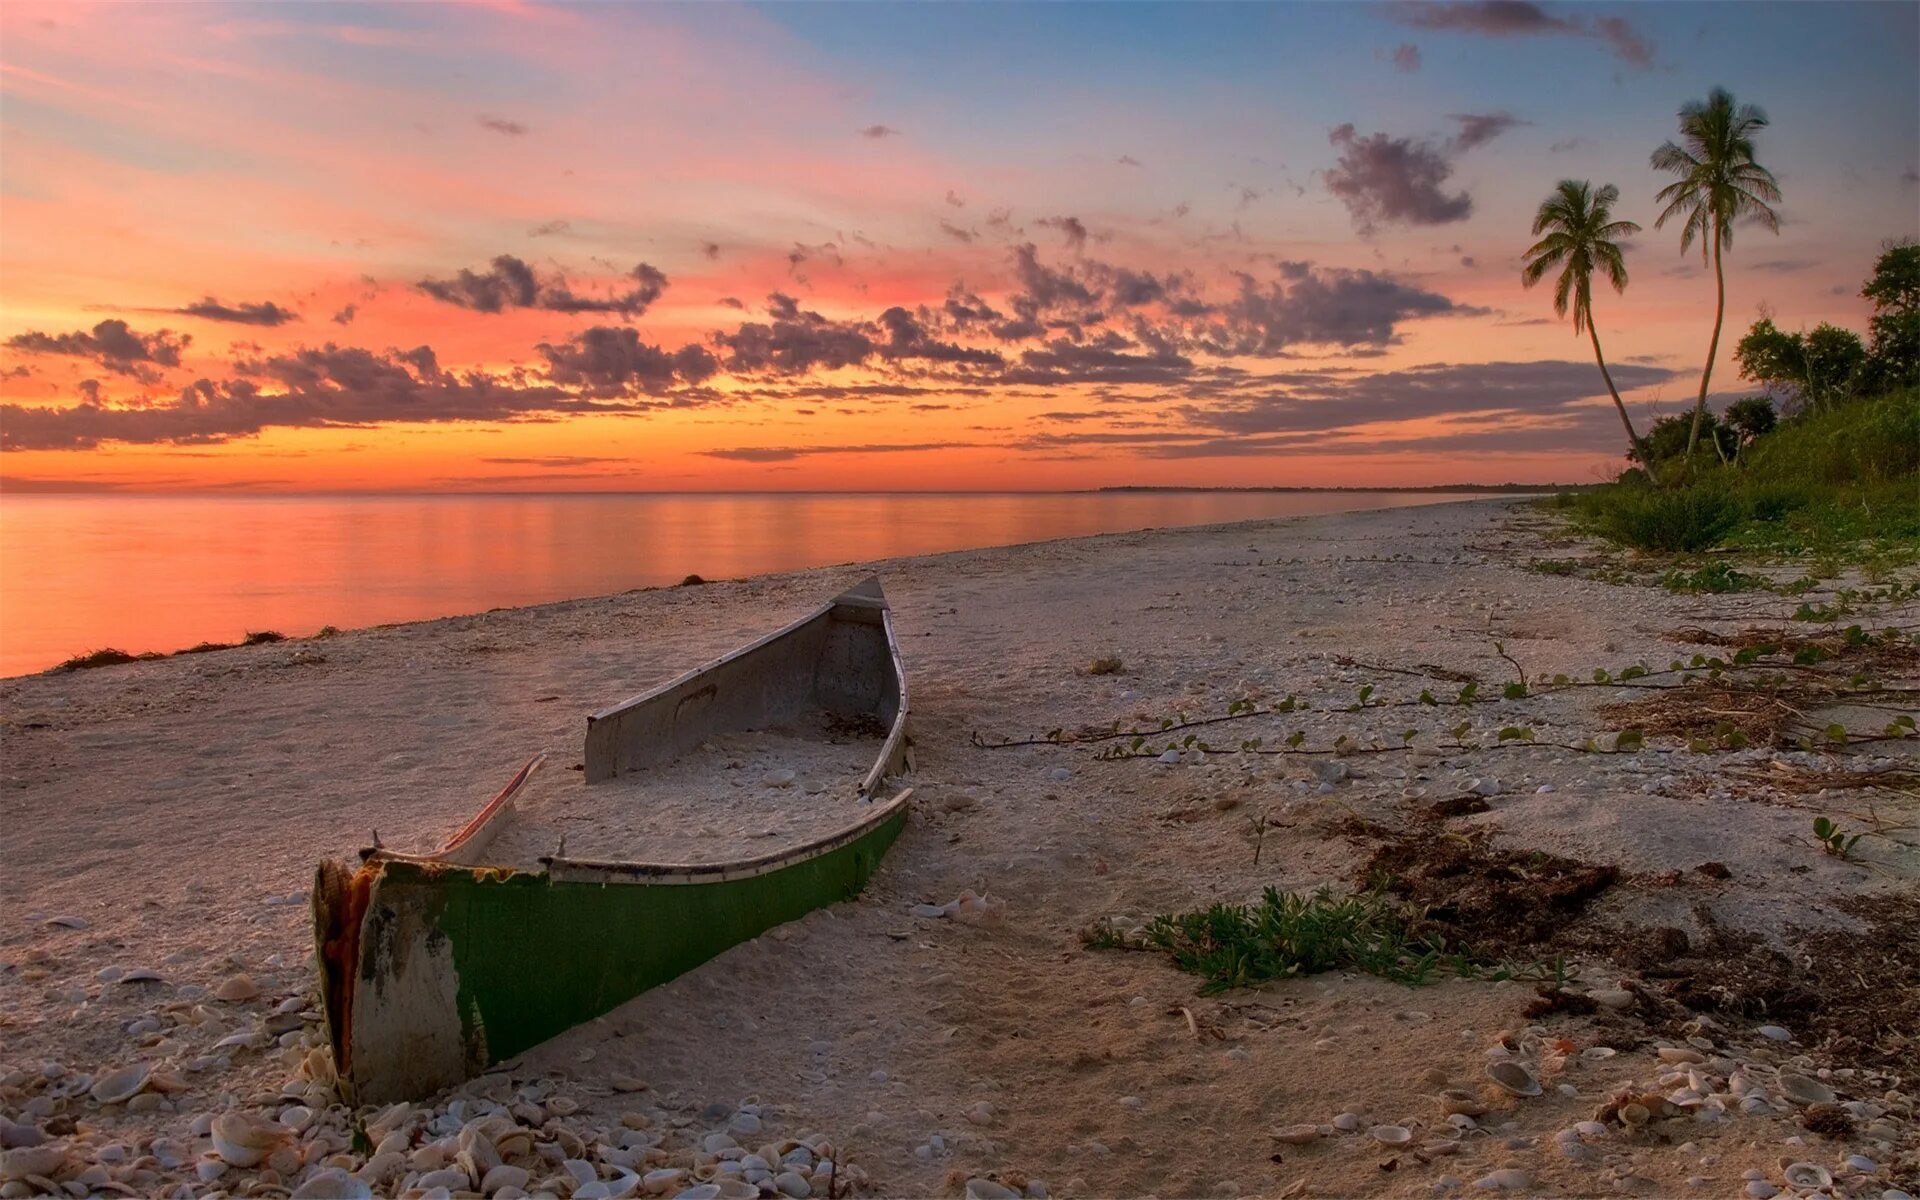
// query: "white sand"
[[172, 804], [737, 795]]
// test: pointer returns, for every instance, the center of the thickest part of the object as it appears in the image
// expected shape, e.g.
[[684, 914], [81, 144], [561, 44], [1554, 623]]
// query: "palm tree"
[[1581, 233], [1719, 184]]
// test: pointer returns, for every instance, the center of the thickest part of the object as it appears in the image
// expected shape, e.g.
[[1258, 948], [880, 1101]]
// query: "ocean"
[[162, 572]]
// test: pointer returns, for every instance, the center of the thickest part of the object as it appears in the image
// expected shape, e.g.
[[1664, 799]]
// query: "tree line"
[[1719, 185]]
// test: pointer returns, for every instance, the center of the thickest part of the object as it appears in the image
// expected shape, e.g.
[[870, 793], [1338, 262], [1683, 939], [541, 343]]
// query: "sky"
[[514, 246]]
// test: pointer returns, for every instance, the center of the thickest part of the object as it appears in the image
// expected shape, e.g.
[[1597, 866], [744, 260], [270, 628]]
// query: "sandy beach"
[[165, 818]]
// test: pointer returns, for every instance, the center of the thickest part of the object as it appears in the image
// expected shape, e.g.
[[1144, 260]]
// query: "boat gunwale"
[[568, 870]]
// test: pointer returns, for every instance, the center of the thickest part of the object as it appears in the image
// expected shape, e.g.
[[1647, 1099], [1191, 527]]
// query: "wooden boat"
[[437, 966]]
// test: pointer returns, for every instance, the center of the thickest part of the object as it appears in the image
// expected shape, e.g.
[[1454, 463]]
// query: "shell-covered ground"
[[1729, 1008]]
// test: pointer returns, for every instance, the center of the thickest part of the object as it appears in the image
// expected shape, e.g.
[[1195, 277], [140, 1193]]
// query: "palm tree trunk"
[[1633, 439], [1713, 347]]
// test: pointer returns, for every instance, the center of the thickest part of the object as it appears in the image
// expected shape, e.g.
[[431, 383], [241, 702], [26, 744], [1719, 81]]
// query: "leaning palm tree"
[[1719, 184], [1581, 233]]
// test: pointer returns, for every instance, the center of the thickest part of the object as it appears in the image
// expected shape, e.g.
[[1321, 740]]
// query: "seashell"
[[1598, 1053], [124, 1084], [1635, 1114], [732, 1189], [1459, 1100], [1513, 1077], [699, 1191], [1808, 1176], [1679, 1054], [237, 988], [1803, 1090], [333, 1183], [1391, 1135], [1296, 1135], [242, 1139], [43, 1161]]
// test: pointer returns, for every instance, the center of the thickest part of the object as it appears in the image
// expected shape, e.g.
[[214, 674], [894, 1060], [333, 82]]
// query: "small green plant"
[[1293, 933], [1107, 664], [327, 631], [1715, 577], [691, 581], [1554, 566], [263, 637], [1833, 839]]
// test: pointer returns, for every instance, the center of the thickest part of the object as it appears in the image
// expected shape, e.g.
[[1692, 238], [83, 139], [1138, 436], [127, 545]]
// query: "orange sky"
[[1176, 290]]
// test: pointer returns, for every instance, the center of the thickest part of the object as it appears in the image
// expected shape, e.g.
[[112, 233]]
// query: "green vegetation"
[[1833, 839], [1289, 933], [1719, 185], [1582, 236], [1837, 475], [1843, 481]]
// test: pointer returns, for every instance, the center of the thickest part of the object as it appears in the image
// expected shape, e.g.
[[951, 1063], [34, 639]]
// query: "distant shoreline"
[[15, 488], [1521, 489]]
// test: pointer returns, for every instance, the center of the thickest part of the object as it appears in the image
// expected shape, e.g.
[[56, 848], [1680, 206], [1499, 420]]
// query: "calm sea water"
[[140, 573]]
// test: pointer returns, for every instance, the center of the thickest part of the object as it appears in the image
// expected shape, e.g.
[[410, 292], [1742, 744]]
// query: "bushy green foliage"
[[1822, 480], [1752, 417], [1649, 518], [1894, 332], [1807, 369], [1291, 933]]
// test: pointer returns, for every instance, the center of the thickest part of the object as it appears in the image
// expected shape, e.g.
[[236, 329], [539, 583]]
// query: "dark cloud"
[[1785, 265], [345, 315], [1127, 160], [1629, 44], [550, 228], [502, 125], [329, 386], [1477, 129], [1406, 57], [210, 309], [879, 131], [1071, 229], [1326, 307], [611, 360], [956, 232], [112, 345], [908, 338], [1306, 401], [953, 198], [1385, 179], [1565, 144], [1522, 18], [553, 460], [767, 454], [1111, 361], [964, 310], [510, 283], [795, 341]]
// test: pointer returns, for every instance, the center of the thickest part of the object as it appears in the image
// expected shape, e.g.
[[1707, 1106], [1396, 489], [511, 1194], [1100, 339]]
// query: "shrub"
[[1693, 518]]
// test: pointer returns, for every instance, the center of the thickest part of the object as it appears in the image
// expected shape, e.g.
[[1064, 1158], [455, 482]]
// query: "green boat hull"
[[459, 968], [435, 967]]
